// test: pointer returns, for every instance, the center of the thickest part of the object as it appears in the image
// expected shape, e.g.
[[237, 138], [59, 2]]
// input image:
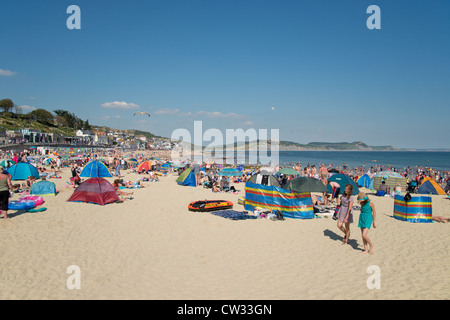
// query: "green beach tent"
[[187, 178]]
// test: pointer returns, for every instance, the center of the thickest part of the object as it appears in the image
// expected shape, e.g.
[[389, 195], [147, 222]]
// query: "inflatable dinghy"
[[210, 205]]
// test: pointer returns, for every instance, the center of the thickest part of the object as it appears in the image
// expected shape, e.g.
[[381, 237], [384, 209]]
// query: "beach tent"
[[417, 210], [187, 178], [305, 184], [43, 188], [264, 179], [391, 178], [95, 169], [292, 204], [365, 181], [429, 186], [7, 163], [23, 170], [95, 190], [144, 166], [342, 180]]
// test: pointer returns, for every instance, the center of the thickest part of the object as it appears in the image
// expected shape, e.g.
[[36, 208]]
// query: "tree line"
[[61, 118]]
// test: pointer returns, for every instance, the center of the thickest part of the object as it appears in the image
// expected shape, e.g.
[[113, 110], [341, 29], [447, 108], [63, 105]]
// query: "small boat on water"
[[210, 205]]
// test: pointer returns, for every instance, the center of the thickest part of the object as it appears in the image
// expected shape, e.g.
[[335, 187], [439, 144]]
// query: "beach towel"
[[233, 214]]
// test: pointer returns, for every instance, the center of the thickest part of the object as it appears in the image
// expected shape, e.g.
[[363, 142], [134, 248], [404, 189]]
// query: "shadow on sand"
[[334, 236]]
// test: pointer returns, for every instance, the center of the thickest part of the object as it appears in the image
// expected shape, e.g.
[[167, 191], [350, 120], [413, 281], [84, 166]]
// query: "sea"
[[439, 160]]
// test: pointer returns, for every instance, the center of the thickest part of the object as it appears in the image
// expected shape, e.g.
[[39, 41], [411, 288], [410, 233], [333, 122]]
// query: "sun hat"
[[362, 196]]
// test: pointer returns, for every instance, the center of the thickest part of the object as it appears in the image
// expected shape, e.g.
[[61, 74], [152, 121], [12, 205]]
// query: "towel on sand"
[[232, 214]]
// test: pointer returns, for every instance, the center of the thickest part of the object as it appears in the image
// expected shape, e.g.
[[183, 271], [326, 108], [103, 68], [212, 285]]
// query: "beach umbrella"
[[144, 166], [23, 170], [288, 171], [6, 163], [342, 180], [305, 184], [95, 168], [388, 174], [229, 172]]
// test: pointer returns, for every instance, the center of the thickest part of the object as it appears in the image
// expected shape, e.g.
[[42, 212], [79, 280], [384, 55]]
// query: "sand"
[[152, 247]]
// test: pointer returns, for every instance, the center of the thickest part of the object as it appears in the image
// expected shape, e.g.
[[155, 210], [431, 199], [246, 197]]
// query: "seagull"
[[142, 113]]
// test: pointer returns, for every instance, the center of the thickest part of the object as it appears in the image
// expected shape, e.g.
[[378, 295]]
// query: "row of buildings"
[[116, 138]]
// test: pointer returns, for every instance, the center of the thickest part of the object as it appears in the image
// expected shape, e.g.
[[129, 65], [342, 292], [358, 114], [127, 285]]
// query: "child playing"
[[345, 214], [366, 220]]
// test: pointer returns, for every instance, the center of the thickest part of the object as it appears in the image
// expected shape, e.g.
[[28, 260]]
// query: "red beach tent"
[[95, 190]]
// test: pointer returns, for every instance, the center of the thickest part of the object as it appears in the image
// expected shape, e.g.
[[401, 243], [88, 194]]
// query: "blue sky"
[[227, 63]]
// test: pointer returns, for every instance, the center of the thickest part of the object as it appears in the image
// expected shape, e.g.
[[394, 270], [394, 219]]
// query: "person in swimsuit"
[[345, 214], [366, 220]]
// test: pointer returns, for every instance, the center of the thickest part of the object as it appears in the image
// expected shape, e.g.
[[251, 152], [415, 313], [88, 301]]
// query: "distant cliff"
[[333, 146], [319, 146]]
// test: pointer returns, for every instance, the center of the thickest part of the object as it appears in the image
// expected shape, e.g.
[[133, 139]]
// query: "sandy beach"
[[152, 247]]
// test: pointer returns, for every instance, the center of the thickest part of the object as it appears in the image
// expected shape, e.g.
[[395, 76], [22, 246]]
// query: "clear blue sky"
[[226, 62]]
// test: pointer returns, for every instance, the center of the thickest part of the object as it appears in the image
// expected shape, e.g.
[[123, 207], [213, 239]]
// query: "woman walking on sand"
[[345, 214]]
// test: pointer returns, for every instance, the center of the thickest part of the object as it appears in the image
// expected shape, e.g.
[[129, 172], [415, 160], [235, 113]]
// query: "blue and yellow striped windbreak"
[[291, 204], [418, 209]]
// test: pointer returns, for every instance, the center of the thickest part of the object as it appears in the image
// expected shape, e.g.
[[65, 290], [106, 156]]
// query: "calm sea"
[[396, 159], [439, 160]]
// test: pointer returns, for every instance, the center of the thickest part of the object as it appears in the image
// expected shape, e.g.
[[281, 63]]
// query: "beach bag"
[[407, 197], [336, 212], [279, 215]]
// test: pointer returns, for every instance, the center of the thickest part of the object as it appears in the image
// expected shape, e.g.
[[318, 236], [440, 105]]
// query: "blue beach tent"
[[22, 171], [187, 178], [342, 180], [95, 169], [43, 188], [365, 181]]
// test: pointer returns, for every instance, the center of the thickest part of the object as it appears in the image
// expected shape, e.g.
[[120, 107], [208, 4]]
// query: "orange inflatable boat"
[[210, 205]]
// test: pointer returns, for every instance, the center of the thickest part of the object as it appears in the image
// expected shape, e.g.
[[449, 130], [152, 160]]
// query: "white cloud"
[[120, 105], [7, 73], [217, 114], [167, 111], [209, 114], [27, 108]]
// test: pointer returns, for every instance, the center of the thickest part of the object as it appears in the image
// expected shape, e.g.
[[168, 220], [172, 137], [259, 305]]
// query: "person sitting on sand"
[[152, 176], [315, 200], [116, 185], [27, 184], [216, 187], [383, 187], [225, 183]]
